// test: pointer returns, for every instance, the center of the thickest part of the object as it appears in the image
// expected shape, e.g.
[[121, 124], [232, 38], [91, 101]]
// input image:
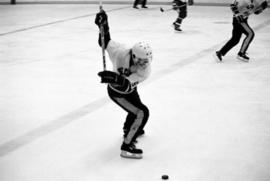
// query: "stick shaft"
[[102, 40], [103, 47], [164, 10]]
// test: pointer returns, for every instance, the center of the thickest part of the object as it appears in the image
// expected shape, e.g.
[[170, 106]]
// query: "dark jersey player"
[[181, 8]]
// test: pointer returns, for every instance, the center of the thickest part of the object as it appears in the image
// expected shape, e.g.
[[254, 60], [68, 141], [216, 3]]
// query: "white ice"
[[208, 121]]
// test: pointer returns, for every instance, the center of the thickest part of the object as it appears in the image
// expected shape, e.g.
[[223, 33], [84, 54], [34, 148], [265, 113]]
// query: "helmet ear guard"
[[141, 51]]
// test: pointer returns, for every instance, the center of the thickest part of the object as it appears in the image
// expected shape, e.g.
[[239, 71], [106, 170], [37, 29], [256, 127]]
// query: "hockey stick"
[[164, 10], [101, 30]]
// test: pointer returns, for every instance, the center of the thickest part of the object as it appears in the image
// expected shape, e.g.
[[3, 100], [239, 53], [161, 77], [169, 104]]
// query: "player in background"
[[181, 8], [242, 9], [130, 67], [142, 2]]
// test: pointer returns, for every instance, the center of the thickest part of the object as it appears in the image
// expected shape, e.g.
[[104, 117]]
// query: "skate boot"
[[243, 57], [140, 133], [177, 28], [218, 56], [130, 151]]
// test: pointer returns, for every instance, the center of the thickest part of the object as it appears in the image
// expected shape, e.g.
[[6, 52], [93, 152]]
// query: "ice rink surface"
[[208, 121]]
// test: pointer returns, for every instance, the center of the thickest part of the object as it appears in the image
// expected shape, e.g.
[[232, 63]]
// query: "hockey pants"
[[239, 28], [137, 116]]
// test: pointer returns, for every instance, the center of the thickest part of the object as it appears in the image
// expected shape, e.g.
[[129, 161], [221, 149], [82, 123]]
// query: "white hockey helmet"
[[141, 51]]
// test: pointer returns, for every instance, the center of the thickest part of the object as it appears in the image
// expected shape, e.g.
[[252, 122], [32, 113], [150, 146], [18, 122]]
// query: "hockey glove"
[[234, 8], [262, 7], [102, 20], [115, 79], [258, 11]]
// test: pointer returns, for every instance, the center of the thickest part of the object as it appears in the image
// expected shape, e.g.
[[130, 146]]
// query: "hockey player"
[[142, 2], [181, 8], [241, 10], [130, 67]]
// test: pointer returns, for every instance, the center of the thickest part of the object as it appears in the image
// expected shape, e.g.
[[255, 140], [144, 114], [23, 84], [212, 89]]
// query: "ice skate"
[[243, 57], [177, 29], [218, 56], [130, 151]]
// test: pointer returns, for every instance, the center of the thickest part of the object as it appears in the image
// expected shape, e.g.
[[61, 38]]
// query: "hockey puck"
[[165, 177]]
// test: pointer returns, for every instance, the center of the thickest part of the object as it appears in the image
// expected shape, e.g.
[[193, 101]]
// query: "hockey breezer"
[[130, 66]]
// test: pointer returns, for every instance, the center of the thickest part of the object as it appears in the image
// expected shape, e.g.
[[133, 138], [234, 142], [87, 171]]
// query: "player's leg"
[[128, 147], [144, 4], [177, 24], [136, 2], [129, 120], [182, 14], [235, 38], [135, 99], [247, 30]]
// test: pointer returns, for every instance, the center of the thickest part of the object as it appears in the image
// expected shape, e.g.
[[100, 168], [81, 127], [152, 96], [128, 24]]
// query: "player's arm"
[[261, 8], [234, 7], [102, 20]]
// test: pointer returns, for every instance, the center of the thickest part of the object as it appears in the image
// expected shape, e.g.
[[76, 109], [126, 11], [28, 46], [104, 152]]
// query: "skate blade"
[[242, 59], [126, 154], [178, 31], [216, 58]]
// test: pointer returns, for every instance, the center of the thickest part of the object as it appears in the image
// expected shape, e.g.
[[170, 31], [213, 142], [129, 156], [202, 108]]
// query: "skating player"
[[130, 67], [136, 2], [181, 8], [242, 9]]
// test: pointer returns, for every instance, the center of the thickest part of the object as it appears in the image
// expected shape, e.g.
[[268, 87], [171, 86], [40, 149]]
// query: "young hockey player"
[[241, 10], [181, 8], [130, 67]]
